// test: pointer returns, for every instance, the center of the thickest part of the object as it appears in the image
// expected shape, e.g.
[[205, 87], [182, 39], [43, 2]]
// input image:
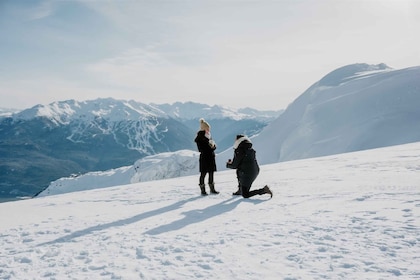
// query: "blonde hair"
[[204, 125]]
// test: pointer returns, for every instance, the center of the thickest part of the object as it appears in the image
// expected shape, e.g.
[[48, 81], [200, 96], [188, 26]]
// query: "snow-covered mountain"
[[323, 222], [353, 108], [226, 122], [65, 112], [47, 142], [191, 110]]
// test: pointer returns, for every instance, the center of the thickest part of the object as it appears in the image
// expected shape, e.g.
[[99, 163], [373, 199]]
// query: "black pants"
[[245, 182], [203, 175], [246, 193]]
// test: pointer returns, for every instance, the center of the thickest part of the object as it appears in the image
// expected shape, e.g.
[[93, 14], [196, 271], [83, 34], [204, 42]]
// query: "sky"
[[259, 54], [323, 222]]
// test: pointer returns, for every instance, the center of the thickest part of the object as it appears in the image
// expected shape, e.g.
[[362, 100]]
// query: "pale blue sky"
[[260, 54]]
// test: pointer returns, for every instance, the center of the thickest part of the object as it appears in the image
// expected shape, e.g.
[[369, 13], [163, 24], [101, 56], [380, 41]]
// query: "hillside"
[[348, 216], [356, 107]]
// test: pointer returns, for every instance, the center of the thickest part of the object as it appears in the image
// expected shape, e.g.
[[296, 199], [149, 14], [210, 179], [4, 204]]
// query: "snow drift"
[[150, 168]]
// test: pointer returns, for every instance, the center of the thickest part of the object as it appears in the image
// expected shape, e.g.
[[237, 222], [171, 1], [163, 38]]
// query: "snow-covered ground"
[[347, 216]]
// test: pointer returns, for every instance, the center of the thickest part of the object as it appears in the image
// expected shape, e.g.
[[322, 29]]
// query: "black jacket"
[[207, 155], [245, 161]]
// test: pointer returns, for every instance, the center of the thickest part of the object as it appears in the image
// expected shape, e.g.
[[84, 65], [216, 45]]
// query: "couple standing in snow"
[[244, 161]]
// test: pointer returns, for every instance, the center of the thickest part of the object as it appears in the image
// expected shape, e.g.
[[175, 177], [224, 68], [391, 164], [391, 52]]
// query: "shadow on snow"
[[200, 215], [191, 217]]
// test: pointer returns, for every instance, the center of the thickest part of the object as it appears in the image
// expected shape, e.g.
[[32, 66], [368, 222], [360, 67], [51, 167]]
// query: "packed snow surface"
[[347, 216]]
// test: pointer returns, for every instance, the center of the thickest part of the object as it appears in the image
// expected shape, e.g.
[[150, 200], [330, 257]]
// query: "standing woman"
[[246, 165], [206, 147]]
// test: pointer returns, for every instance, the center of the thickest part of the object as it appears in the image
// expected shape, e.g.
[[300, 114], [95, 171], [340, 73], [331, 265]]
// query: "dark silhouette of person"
[[206, 146], [247, 168]]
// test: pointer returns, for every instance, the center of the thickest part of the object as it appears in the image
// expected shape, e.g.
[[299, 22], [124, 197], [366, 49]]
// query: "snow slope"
[[347, 216], [355, 107], [155, 167]]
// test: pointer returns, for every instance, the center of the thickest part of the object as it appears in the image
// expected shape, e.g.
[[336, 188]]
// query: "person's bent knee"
[[245, 194]]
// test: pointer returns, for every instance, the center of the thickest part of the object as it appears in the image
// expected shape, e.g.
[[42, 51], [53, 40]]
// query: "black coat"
[[245, 162], [207, 155]]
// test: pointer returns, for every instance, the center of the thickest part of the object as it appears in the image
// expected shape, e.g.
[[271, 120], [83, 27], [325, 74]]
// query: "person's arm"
[[212, 144], [208, 146], [237, 159]]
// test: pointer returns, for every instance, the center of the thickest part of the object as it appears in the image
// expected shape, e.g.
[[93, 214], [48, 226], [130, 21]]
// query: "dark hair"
[[239, 136]]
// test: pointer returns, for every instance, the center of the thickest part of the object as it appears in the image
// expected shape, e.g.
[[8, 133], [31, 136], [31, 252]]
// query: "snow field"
[[348, 216]]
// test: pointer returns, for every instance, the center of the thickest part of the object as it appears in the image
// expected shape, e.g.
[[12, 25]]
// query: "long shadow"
[[119, 223], [200, 215]]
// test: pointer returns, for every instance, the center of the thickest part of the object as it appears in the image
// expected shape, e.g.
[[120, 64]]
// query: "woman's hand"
[[212, 143]]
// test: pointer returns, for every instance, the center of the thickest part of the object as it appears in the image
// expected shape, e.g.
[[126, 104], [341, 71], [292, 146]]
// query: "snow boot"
[[238, 192], [212, 190], [267, 190], [203, 189]]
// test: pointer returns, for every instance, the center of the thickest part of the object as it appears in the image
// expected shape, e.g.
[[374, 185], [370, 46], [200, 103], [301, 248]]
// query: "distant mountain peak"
[[63, 112], [193, 111], [114, 110]]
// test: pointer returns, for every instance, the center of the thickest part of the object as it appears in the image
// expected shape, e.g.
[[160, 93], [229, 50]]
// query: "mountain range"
[[66, 138]]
